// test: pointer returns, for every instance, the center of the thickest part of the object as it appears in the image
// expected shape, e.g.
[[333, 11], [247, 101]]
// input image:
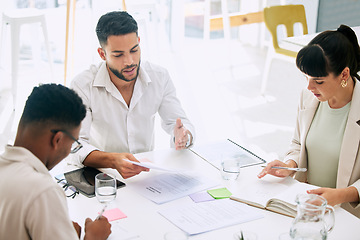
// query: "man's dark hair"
[[54, 104], [115, 23]]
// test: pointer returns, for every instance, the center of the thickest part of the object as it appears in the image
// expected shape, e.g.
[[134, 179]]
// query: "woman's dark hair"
[[331, 52], [115, 23], [56, 104]]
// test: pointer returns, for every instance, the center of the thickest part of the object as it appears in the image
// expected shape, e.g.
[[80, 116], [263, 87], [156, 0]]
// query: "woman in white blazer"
[[327, 134]]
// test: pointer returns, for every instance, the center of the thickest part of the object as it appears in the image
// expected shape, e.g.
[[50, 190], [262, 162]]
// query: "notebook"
[[215, 152]]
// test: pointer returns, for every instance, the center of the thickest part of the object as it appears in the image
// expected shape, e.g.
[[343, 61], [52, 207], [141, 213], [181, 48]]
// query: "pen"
[[292, 169], [101, 212], [288, 168]]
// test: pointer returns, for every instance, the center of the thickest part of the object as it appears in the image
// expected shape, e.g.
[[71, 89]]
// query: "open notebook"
[[274, 196]]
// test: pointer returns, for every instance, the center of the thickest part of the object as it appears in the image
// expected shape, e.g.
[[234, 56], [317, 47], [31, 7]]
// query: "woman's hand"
[[337, 196], [278, 172]]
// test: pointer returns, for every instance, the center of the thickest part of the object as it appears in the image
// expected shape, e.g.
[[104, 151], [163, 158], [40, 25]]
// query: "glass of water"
[[105, 187], [230, 169]]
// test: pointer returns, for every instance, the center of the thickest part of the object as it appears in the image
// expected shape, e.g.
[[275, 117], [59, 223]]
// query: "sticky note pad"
[[201, 197], [114, 214], [220, 193]]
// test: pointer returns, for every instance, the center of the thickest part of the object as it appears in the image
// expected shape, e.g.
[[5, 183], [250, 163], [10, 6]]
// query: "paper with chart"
[[215, 152], [166, 187], [195, 218]]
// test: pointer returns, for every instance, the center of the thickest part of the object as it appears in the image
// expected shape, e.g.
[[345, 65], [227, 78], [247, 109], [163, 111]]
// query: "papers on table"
[[118, 232], [166, 187], [151, 165], [201, 217]]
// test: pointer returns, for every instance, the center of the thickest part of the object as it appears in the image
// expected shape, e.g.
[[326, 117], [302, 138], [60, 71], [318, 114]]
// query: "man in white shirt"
[[122, 98], [32, 204]]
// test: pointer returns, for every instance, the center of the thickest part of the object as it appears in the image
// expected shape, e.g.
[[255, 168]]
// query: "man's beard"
[[121, 76]]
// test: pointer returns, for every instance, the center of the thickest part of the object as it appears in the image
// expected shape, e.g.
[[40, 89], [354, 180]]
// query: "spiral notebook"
[[215, 152]]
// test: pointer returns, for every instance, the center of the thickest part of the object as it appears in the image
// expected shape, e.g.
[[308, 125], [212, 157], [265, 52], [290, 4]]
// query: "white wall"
[[332, 13]]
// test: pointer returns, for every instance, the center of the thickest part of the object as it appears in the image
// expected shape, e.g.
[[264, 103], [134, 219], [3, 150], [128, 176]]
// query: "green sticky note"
[[220, 193]]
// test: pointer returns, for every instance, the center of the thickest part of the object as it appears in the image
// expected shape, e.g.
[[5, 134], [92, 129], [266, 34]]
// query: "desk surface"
[[144, 220], [298, 42]]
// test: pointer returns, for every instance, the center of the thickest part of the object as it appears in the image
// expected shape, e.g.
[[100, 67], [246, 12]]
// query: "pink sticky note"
[[114, 214]]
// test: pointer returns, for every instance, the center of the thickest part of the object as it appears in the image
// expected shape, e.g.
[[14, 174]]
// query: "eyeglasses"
[[70, 191], [75, 146]]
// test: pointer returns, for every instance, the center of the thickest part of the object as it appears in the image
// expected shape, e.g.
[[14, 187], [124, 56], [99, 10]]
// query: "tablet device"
[[83, 180]]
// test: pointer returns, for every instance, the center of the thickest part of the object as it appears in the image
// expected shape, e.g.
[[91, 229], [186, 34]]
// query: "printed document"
[[166, 187], [202, 217]]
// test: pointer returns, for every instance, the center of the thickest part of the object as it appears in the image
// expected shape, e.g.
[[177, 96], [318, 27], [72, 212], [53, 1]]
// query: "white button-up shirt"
[[111, 125], [32, 205]]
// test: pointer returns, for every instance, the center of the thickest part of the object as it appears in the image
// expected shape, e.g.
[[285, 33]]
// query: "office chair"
[[275, 16]]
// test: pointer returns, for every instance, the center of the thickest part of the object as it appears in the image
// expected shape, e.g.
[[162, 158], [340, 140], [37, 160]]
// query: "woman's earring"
[[343, 83]]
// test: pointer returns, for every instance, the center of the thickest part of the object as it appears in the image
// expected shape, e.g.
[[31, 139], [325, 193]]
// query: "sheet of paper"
[[151, 165], [202, 217], [220, 193], [118, 232], [201, 197], [166, 187]]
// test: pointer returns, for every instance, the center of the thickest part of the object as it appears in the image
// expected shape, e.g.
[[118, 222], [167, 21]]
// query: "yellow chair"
[[274, 16]]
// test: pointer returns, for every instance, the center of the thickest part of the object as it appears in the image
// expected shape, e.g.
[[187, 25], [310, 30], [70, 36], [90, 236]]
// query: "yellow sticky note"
[[220, 193]]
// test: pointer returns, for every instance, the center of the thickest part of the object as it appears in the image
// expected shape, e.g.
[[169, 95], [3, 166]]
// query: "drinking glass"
[[230, 169], [105, 187]]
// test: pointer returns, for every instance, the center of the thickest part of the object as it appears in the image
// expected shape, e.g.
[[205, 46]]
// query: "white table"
[[143, 219], [298, 42]]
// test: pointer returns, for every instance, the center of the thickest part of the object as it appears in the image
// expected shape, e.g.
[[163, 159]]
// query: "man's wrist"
[[190, 139], [188, 142]]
